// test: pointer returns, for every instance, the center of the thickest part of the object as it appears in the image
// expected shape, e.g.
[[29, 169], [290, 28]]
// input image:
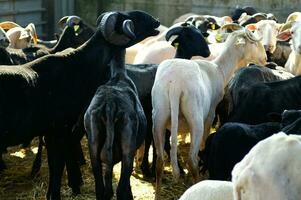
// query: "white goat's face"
[[267, 30], [296, 37]]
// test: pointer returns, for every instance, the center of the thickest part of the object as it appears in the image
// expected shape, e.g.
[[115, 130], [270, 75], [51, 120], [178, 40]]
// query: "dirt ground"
[[15, 182]]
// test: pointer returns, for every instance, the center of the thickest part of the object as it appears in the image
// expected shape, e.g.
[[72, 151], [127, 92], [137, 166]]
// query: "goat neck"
[[95, 51], [118, 62], [228, 62], [180, 53]]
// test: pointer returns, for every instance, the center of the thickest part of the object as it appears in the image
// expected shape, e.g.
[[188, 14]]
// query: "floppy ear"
[[285, 35], [251, 27]]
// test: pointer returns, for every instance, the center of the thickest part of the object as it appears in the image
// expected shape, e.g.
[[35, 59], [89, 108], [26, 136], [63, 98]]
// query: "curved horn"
[[72, 20], [31, 27], [62, 22], [250, 36], [232, 26], [286, 26], [128, 29], [8, 25], [106, 23], [173, 31], [293, 16], [195, 17], [259, 16]]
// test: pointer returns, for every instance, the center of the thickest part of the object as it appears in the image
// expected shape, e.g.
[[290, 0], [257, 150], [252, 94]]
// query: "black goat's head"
[[127, 28], [189, 39], [82, 31]]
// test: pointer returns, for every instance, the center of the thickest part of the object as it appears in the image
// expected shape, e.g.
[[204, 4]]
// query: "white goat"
[[209, 190], [186, 92], [293, 63], [270, 171], [268, 31], [132, 51], [20, 37]]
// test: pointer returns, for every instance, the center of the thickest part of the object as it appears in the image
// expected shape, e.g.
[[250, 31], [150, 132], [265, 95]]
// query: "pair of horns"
[[250, 36], [107, 22], [69, 21]]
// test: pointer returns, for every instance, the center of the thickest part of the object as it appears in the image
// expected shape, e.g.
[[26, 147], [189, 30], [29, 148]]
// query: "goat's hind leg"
[[159, 125], [128, 147]]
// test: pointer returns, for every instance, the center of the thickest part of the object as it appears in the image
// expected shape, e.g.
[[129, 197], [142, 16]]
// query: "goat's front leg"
[[36, 166], [2, 164], [56, 162], [74, 174]]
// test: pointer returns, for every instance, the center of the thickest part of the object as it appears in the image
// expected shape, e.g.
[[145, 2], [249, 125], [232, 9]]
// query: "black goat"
[[241, 81], [116, 127], [233, 141], [56, 89], [230, 144], [239, 11], [260, 99], [74, 34]]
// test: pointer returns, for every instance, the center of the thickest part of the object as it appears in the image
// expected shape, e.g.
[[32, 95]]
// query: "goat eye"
[[292, 32]]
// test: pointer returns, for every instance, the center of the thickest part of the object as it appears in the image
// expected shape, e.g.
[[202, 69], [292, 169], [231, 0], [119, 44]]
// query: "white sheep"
[[186, 92], [132, 51], [20, 37], [270, 171], [209, 190], [293, 31]]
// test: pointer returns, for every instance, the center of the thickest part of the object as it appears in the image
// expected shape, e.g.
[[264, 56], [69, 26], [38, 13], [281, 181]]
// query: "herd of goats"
[[131, 82]]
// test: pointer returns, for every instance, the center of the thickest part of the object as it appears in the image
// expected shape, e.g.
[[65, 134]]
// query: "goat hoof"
[[147, 173], [75, 191], [2, 166], [82, 162]]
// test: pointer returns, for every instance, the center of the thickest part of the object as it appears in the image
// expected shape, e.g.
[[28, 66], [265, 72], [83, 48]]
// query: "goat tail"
[[174, 97], [107, 150]]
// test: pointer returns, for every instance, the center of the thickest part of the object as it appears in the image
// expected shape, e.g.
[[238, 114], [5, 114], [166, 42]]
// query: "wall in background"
[[168, 10]]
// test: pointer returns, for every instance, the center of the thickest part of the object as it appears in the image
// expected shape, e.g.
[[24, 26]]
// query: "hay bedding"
[[15, 182]]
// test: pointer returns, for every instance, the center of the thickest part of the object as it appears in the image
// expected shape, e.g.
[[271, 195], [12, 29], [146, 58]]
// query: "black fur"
[[47, 95]]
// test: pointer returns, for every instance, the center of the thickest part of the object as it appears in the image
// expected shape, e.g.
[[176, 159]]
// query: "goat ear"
[[285, 35], [251, 27], [240, 41]]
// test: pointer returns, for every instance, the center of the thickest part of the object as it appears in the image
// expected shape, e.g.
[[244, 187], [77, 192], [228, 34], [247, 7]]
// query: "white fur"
[[293, 63], [186, 93], [270, 171], [209, 190], [268, 30], [132, 51], [21, 37]]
